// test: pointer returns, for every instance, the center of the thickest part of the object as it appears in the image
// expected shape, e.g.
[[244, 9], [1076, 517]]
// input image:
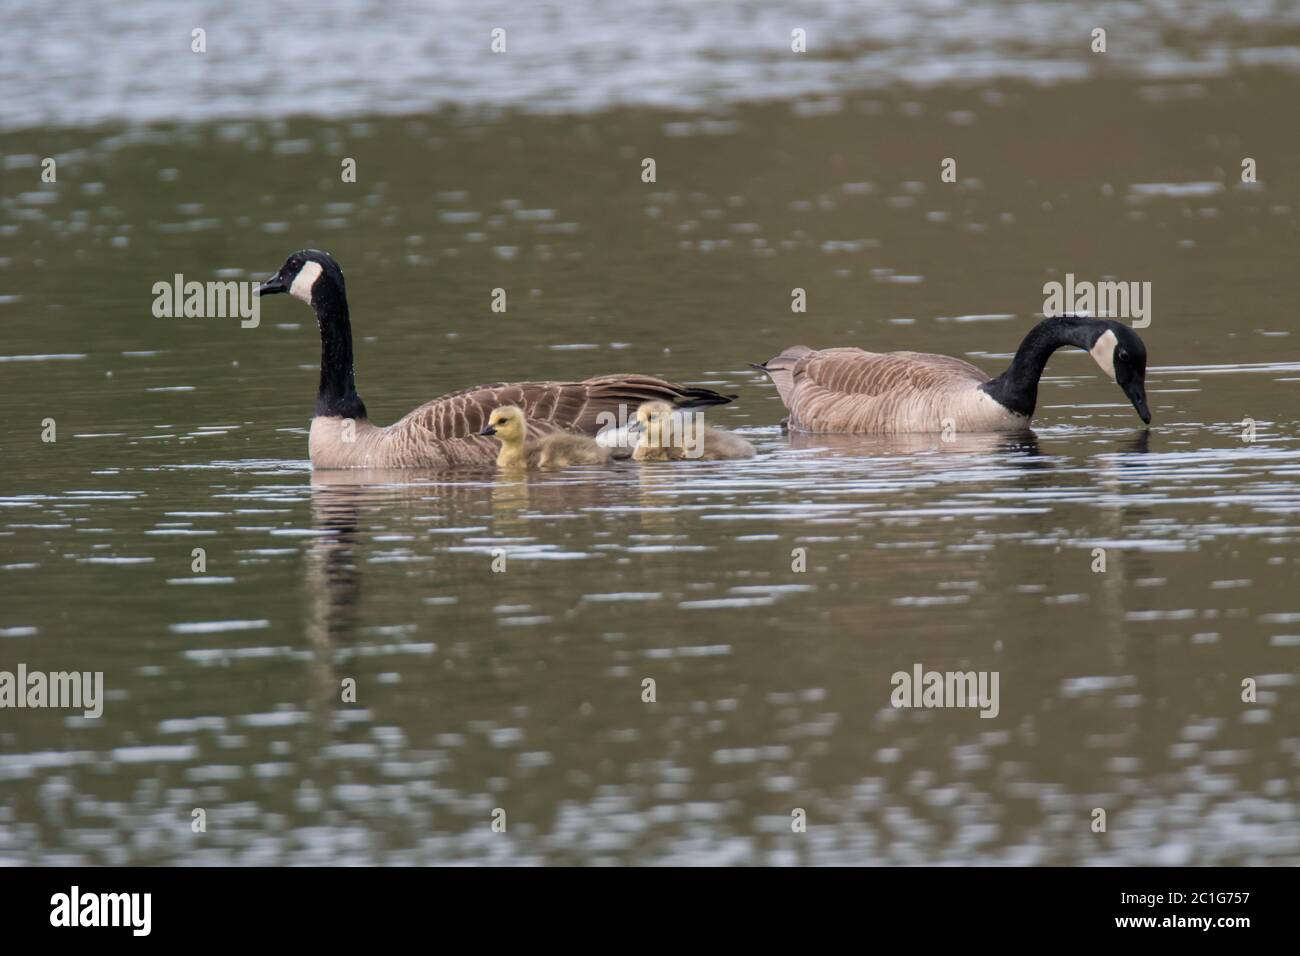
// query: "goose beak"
[[488, 430], [1137, 394], [272, 285]]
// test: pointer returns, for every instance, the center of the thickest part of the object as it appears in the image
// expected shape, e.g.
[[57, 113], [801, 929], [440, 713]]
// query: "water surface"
[[522, 689]]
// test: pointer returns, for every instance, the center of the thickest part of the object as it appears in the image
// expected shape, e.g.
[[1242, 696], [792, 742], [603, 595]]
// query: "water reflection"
[[959, 443], [770, 599]]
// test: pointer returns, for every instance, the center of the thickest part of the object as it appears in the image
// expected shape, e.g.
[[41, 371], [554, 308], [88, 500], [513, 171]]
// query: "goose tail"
[[633, 390], [780, 369], [700, 398]]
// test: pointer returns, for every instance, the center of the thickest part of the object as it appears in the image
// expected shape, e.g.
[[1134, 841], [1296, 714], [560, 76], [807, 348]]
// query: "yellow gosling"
[[559, 450], [671, 435]]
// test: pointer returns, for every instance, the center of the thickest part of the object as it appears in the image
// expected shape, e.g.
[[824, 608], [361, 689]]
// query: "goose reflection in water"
[[1022, 443]]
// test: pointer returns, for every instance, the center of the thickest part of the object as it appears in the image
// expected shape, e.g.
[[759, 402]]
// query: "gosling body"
[[667, 436], [509, 425]]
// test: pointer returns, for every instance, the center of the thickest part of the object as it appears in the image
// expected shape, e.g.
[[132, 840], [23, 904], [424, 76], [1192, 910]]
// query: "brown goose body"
[[849, 390], [444, 432]]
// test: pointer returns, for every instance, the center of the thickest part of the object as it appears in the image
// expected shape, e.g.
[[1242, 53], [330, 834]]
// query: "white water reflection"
[[344, 58]]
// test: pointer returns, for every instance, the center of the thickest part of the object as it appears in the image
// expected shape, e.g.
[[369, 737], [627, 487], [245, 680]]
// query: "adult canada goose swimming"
[[667, 435], [446, 430], [556, 450], [849, 390]]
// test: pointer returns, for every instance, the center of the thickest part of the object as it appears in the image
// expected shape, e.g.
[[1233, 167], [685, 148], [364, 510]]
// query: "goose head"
[[309, 275], [506, 423], [315, 278], [1122, 355]]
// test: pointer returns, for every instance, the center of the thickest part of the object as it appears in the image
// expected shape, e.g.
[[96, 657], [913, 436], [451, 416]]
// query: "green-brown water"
[[522, 690]]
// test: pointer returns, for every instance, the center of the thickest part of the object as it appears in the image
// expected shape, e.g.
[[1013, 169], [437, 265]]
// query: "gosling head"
[[1123, 356], [649, 413], [309, 275], [506, 423], [650, 419]]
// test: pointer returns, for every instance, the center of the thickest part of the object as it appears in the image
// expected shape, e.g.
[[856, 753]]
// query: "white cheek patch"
[[1103, 352], [307, 276]]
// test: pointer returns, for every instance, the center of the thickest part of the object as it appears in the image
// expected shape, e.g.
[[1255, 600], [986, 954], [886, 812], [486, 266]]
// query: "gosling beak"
[[488, 430], [1137, 394], [272, 285]]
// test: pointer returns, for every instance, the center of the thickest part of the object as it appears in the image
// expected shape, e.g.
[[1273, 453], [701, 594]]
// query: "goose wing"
[[851, 390], [584, 407]]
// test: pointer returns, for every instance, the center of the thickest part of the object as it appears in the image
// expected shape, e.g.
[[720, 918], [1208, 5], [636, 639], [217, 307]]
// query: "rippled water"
[[359, 57], [521, 689]]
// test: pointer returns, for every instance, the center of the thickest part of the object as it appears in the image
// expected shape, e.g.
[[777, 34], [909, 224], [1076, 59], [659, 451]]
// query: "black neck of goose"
[[337, 396], [1017, 387]]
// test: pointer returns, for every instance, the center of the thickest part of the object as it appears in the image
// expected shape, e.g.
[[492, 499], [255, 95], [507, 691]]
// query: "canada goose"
[[669, 436], [556, 450], [849, 390], [446, 430]]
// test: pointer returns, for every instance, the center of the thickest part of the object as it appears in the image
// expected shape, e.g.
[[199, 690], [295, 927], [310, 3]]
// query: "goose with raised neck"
[[445, 431]]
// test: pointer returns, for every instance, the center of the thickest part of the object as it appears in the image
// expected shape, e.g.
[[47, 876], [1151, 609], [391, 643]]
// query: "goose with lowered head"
[[849, 390]]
